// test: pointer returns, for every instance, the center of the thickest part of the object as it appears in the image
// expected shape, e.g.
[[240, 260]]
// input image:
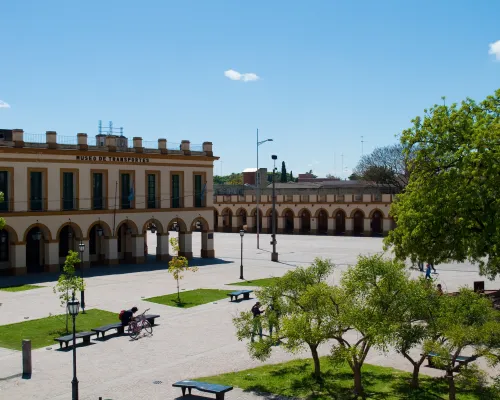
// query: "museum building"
[[100, 195]]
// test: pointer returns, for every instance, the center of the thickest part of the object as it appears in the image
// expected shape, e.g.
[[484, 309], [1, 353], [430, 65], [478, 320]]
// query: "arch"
[[241, 217], [12, 234], [372, 212], [74, 226], [269, 216], [254, 212], [204, 224], [288, 220], [177, 221], [158, 224], [316, 214], [321, 216], [305, 220], [357, 210], [376, 223], [105, 228], [227, 220], [287, 210], [339, 216], [45, 231], [358, 217], [131, 224]]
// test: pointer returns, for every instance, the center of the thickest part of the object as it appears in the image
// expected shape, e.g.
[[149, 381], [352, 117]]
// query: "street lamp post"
[[274, 254], [257, 183], [81, 247], [73, 309], [242, 233]]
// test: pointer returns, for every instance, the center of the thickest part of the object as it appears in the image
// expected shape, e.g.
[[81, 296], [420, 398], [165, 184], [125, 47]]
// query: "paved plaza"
[[186, 344]]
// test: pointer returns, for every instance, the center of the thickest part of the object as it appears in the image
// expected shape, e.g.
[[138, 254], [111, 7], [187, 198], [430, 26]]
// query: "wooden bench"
[[80, 335], [245, 293], [461, 360], [103, 329], [219, 390]]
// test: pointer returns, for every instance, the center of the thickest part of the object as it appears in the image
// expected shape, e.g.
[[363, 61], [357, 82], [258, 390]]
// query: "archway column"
[[314, 226], [281, 225], [51, 256], [386, 225], [110, 244], [367, 228], [265, 224], [186, 245], [86, 253], [296, 224], [349, 226], [137, 242], [18, 259], [251, 224], [207, 244], [331, 226], [220, 223], [162, 246]]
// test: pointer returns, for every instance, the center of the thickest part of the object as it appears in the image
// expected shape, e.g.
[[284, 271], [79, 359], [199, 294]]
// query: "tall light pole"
[[274, 254], [81, 247], [73, 309], [242, 233], [257, 183]]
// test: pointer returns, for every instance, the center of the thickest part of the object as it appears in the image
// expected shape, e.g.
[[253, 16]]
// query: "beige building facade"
[[103, 193], [323, 208]]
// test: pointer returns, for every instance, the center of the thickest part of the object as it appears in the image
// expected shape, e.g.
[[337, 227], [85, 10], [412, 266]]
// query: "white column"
[[349, 226], [18, 260], [251, 223], [207, 245], [86, 253], [296, 224], [137, 244], [367, 226], [314, 225], [281, 224], [331, 225], [52, 256], [387, 225], [265, 224], [220, 223], [186, 245], [162, 246], [111, 249]]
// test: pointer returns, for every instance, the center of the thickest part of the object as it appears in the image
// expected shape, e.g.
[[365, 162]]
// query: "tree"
[[354, 177], [284, 175], [310, 172], [302, 298], [387, 165], [415, 322], [68, 283], [178, 265], [372, 296], [450, 210], [466, 320], [2, 220], [291, 178], [331, 176]]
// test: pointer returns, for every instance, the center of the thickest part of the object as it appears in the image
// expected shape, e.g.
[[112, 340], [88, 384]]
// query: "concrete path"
[[187, 343]]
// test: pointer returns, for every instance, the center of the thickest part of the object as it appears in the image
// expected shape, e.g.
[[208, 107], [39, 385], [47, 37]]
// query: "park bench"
[[461, 360], [245, 293], [103, 329], [219, 390], [80, 335]]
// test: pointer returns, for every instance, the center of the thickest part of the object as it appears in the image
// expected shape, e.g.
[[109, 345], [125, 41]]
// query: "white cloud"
[[3, 104], [495, 49], [236, 76]]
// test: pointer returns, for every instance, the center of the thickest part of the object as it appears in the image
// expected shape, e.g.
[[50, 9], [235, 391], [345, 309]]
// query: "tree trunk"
[[451, 385], [358, 385], [317, 366], [178, 292], [414, 379]]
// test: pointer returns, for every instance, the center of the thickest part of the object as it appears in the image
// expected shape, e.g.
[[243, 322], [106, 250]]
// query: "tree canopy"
[[450, 209]]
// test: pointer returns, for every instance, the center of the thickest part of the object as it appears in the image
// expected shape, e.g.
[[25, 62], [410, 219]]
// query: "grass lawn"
[[20, 288], [294, 379], [191, 298], [43, 331], [257, 282]]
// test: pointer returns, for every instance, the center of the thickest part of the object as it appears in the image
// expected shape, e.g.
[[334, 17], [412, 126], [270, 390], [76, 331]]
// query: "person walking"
[[273, 316], [257, 323], [421, 266], [428, 272]]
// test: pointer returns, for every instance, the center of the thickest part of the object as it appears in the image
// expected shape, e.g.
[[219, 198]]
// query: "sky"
[[317, 77]]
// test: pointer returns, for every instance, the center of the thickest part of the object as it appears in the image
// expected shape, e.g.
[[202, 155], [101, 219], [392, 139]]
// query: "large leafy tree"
[[450, 209], [388, 166]]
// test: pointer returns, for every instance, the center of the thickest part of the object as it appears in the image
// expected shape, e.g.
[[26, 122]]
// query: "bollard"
[[26, 357]]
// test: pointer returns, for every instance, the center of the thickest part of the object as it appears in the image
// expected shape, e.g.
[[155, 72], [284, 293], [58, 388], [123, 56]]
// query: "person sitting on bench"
[[128, 316]]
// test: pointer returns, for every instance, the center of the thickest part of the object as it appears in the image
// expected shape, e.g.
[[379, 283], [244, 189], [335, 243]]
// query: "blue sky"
[[329, 71]]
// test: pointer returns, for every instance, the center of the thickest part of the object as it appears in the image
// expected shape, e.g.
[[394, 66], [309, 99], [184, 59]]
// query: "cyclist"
[[128, 316]]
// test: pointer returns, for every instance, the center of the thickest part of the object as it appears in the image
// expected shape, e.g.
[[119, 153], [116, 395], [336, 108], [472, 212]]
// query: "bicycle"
[[138, 324]]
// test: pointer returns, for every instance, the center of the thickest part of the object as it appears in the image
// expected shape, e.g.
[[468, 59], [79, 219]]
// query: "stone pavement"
[[186, 344]]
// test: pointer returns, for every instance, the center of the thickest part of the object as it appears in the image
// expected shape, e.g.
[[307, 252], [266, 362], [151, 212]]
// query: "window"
[[322, 198], [126, 191], [176, 191], [340, 198], [358, 197], [36, 191], [4, 188], [151, 191], [198, 191], [97, 191], [68, 191], [289, 197], [304, 197], [377, 197]]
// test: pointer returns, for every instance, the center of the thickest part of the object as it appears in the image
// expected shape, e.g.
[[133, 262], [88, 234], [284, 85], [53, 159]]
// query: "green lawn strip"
[[294, 379], [256, 282], [43, 331], [20, 288], [191, 298]]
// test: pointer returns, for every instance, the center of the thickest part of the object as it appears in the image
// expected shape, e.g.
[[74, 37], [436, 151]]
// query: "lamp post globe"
[[73, 309]]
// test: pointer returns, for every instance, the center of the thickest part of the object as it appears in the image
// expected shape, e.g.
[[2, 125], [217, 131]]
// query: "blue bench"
[[245, 293], [219, 390], [69, 338], [461, 360]]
